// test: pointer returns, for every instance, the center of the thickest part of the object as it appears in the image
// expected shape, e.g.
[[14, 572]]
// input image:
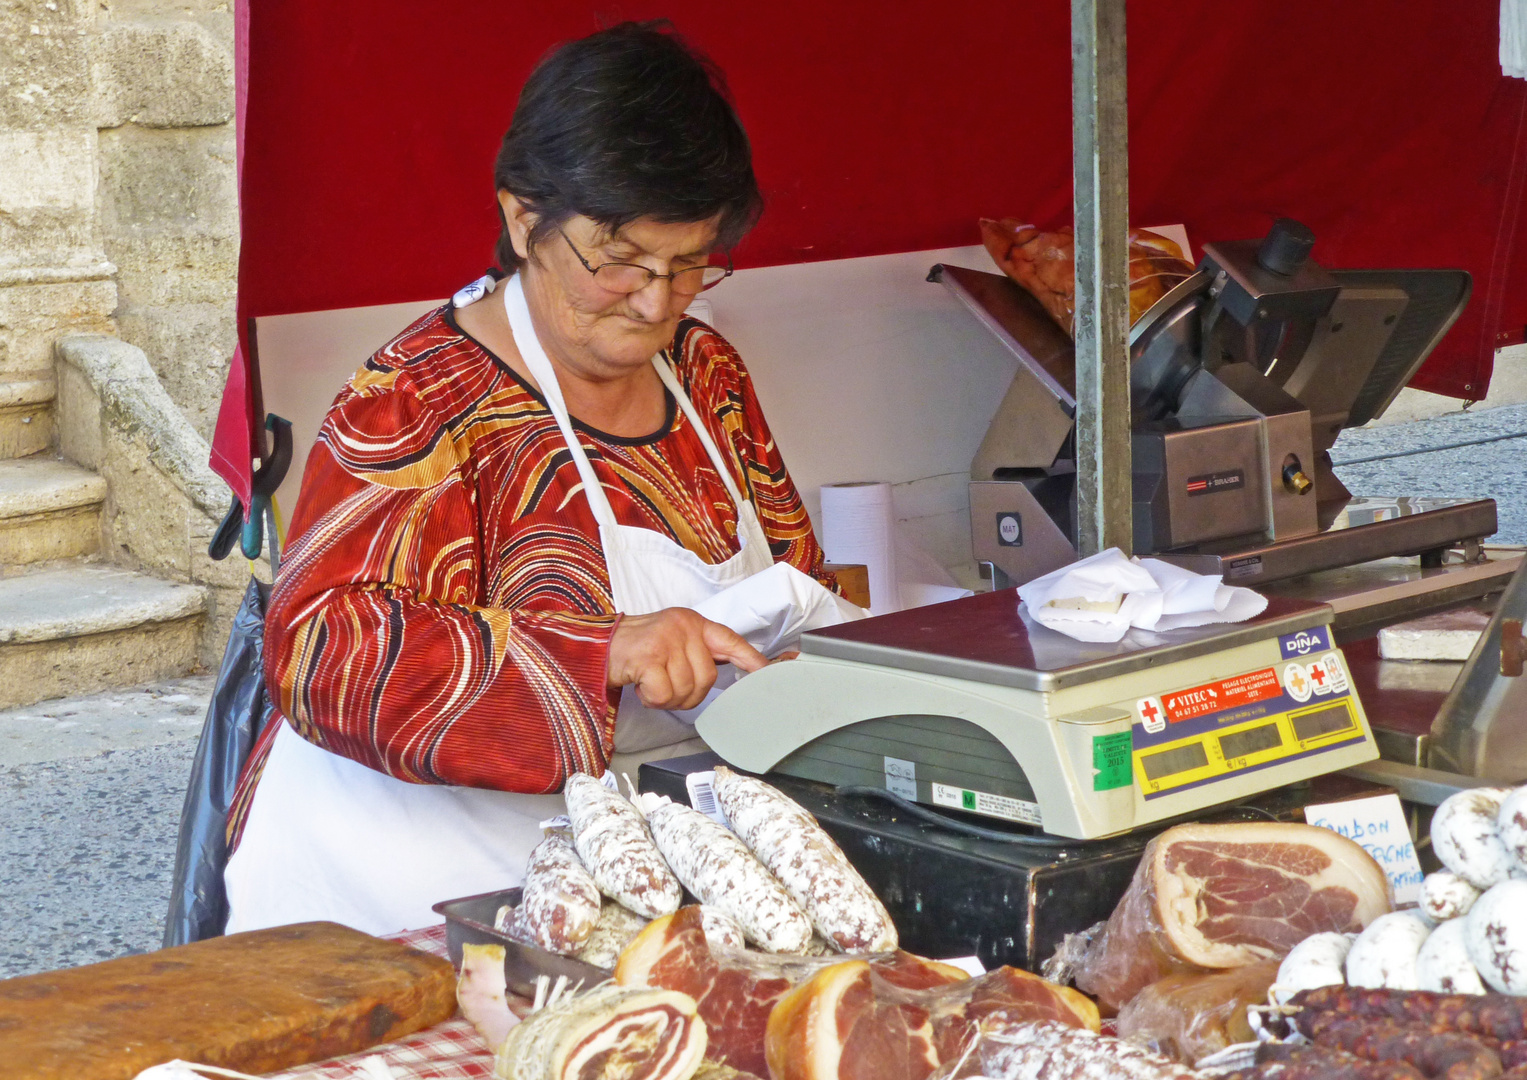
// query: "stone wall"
[[118, 202], [119, 217]]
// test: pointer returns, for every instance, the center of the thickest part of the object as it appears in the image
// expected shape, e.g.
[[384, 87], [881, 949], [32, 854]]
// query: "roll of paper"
[[859, 526]]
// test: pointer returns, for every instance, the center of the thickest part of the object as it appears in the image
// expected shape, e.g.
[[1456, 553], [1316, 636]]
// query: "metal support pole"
[[1100, 183]]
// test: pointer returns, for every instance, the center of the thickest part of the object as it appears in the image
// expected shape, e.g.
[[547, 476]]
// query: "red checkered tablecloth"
[[449, 1051]]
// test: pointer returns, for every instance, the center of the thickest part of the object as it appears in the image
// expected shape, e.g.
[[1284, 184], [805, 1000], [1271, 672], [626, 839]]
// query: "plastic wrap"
[[1046, 1050], [1044, 263], [238, 712], [1211, 897], [1189, 1017]]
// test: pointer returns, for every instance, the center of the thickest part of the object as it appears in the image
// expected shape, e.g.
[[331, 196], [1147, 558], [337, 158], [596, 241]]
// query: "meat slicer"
[[1241, 378]]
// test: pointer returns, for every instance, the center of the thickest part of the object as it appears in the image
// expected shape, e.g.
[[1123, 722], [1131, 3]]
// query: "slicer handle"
[[1285, 247]]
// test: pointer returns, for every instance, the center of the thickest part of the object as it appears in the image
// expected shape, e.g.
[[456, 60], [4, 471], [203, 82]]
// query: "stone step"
[[49, 509], [26, 417], [78, 629]]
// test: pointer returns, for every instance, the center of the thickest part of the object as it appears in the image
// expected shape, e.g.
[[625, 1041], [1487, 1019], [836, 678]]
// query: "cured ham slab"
[[1221, 896], [850, 1023], [735, 991]]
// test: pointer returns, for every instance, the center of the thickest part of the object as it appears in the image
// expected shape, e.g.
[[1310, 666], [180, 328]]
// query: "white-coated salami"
[[1445, 895], [720, 870], [615, 930], [813, 869], [613, 842], [721, 930], [559, 905], [1046, 1050]]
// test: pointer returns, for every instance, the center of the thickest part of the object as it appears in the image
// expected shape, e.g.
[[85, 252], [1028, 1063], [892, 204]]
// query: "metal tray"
[[469, 921]]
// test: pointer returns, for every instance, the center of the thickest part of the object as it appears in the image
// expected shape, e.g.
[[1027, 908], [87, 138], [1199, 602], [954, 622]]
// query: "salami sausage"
[[613, 842], [1499, 1016], [1446, 1055], [720, 870], [812, 868], [614, 931], [559, 905], [1048, 1050], [1278, 1061], [721, 930]]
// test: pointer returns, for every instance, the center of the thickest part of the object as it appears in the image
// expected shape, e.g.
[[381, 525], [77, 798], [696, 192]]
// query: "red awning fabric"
[[236, 440], [1387, 128]]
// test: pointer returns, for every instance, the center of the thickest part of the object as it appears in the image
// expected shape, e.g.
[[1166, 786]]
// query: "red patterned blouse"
[[443, 612]]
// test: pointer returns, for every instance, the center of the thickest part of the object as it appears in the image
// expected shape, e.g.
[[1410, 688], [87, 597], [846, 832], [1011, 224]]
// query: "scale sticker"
[[1218, 696], [982, 802], [1244, 567], [1110, 761], [1248, 722], [901, 778], [1314, 640], [1209, 483]]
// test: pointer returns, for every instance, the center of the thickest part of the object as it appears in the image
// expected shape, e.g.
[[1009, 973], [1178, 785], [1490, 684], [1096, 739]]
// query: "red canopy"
[[1387, 128]]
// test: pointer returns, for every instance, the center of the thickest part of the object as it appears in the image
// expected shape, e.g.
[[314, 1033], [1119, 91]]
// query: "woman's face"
[[600, 333]]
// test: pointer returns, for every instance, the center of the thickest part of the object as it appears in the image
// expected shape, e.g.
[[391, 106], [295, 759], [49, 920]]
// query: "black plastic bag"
[[238, 713]]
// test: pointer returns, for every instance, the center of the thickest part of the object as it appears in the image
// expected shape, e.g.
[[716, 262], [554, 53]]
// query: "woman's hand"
[[670, 656]]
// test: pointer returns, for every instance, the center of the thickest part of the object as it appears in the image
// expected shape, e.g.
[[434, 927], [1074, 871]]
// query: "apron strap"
[[671, 380], [536, 360]]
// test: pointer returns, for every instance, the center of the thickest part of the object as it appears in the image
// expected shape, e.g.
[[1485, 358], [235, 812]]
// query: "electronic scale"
[[970, 706]]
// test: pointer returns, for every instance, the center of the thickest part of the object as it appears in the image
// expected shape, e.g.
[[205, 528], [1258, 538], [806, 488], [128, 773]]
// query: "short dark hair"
[[630, 122]]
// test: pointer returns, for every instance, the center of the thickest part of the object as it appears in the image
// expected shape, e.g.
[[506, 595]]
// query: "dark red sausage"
[[1499, 1016], [1277, 1061], [1447, 1055]]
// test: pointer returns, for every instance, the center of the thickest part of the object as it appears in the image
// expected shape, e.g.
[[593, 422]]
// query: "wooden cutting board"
[[256, 1002]]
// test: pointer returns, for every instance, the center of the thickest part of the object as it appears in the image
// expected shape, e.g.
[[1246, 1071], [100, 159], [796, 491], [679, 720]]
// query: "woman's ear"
[[518, 219]]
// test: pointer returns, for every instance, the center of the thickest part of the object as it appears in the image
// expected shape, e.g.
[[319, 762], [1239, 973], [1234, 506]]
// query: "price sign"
[[1378, 824]]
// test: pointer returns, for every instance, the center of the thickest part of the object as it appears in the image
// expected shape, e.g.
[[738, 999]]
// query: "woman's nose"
[[651, 301]]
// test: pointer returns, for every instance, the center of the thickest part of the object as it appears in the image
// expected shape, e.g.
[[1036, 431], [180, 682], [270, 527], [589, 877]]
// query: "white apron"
[[329, 838]]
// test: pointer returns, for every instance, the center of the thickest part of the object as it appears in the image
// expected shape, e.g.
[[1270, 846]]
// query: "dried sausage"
[[1047, 1050], [1446, 1055], [1500, 1016], [1281, 1061], [812, 868], [559, 905], [720, 870], [613, 842]]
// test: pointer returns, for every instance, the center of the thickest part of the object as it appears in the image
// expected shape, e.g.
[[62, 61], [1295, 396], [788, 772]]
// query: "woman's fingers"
[[681, 679], [670, 656], [725, 644], [703, 669], [653, 687]]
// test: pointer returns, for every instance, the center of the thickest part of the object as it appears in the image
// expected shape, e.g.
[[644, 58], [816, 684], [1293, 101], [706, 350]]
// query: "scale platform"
[[969, 706]]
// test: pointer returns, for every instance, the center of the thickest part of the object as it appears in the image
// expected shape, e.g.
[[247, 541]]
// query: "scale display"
[[1209, 732]]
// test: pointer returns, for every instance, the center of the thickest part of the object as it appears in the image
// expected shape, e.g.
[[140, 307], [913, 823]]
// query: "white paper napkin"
[[1144, 593]]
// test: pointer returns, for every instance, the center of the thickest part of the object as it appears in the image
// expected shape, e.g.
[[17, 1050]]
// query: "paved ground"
[[90, 797], [1495, 470], [91, 788]]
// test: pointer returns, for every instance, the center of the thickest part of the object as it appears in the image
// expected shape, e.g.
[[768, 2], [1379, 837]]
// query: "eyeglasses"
[[623, 277]]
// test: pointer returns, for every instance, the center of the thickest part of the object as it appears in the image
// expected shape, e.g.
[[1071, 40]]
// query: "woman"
[[513, 509]]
